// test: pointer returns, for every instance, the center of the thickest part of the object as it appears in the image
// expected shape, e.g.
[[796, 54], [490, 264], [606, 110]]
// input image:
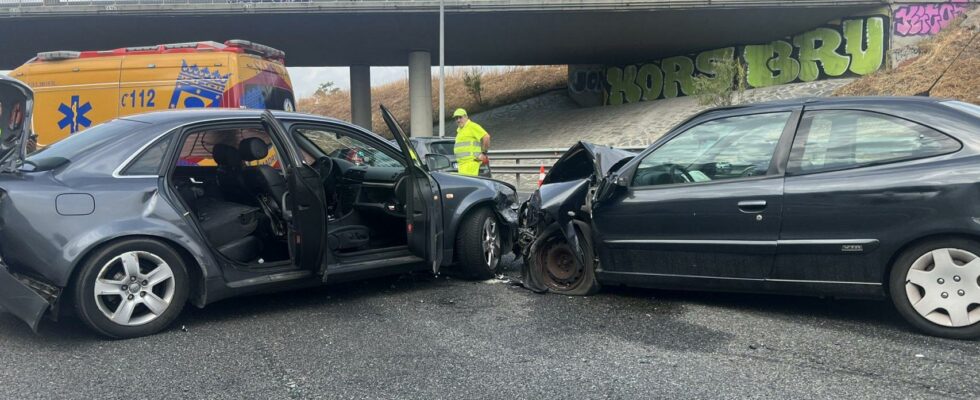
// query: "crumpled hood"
[[576, 162]]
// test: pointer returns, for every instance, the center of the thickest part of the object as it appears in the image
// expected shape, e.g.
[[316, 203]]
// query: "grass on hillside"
[[946, 67], [499, 87]]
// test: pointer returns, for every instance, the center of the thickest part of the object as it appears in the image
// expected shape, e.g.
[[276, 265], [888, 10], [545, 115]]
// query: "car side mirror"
[[438, 162], [607, 188]]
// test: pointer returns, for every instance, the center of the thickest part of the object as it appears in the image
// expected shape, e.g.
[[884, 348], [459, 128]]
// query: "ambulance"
[[75, 90]]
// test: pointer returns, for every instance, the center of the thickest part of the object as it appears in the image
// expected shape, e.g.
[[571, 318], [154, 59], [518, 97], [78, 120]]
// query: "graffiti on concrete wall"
[[928, 19], [851, 47]]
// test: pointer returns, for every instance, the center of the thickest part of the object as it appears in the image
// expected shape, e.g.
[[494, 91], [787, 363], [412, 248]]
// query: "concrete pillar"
[[420, 93], [360, 95]]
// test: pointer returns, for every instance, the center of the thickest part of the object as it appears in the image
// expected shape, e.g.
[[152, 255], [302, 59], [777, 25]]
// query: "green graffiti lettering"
[[651, 80], [707, 61], [865, 60], [622, 85], [820, 46], [678, 76], [770, 64]]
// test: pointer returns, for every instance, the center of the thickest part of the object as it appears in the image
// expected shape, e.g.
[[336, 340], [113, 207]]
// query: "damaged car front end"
[[555, 223]]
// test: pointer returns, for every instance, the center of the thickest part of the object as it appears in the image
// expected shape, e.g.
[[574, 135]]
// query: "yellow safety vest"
[[468, 142]]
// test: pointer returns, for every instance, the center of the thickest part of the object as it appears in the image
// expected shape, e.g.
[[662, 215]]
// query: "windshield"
[[83, 142]]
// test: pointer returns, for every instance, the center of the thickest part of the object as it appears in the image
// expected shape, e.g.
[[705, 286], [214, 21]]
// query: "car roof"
[[834, 100], [203, 114]]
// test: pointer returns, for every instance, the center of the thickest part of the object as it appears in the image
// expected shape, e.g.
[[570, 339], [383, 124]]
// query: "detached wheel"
[[131, 288], [936, 287], [556, 268], [478, 245]]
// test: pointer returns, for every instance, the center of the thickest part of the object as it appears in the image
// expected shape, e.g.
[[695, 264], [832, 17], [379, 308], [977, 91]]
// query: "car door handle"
[[752, 206]]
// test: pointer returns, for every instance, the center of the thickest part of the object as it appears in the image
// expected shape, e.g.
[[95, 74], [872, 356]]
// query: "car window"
[[148, 163], [840, 139], [339, 145], [445, 148], [721, 149], [198, 147], [90, 139]]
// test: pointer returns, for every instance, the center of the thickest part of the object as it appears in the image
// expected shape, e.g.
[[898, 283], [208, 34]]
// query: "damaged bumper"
[[25, 298]]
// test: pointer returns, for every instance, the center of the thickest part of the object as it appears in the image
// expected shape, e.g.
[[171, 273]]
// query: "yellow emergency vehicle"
[[74, 90]]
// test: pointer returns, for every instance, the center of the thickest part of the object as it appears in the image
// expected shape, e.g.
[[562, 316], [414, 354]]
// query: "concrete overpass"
[[368, 33]]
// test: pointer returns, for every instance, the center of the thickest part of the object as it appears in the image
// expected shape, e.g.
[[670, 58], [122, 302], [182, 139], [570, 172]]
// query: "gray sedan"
[[130, 220]]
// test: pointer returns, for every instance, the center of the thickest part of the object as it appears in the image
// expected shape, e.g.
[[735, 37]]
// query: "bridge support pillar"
[[420, 92], [360, 95]]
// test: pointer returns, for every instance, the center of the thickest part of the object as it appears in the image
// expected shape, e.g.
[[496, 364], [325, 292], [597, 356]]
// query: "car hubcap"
[[134, 288], [943, 286], [491, 243]]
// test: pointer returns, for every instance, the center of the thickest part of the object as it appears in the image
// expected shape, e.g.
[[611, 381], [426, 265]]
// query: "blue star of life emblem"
[[74, 115]]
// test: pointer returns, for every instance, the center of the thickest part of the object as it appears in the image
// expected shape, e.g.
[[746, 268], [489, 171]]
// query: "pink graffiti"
[[927, 19]]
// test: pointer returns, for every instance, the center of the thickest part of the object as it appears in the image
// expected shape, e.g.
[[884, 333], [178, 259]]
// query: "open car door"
[[423, 212], [303, 205], [17, 100]]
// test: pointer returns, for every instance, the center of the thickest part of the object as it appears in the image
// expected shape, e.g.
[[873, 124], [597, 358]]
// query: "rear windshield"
[[967, 107], [442, 148], [87, 140]]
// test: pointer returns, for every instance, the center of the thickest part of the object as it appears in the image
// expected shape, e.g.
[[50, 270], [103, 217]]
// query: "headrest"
[[226, 156], [253, 149]]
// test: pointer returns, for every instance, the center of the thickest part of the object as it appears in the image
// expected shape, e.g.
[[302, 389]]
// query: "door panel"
[[706, 203], [423, 212], [305, 202], [696, 231]]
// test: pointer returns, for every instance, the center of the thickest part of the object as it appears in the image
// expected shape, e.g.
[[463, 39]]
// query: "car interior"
[[232, 181]]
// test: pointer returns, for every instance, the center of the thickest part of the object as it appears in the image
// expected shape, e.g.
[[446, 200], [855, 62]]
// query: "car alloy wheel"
[[491, 243], [943, 286], [134, 288]]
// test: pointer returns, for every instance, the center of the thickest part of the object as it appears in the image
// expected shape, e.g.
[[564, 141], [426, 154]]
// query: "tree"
[[326, 88], [471, 79], [723, 89]]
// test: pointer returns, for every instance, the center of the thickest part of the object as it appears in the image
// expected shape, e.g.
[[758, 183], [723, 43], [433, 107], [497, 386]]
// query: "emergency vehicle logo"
[[74, 115], [198, 88]]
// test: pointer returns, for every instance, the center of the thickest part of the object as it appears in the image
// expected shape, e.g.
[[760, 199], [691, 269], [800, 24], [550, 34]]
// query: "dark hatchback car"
[[846, 197], [131, 219]]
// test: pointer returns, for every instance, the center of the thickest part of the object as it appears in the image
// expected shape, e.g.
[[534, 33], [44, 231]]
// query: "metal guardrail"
[[529, 162]]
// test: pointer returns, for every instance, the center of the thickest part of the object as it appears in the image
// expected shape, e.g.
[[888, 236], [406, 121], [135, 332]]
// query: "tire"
[[555, 268], [472, 243], [939, 299], [153, 300]]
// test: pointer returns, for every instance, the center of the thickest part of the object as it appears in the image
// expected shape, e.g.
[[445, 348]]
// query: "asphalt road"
[[417, 336]]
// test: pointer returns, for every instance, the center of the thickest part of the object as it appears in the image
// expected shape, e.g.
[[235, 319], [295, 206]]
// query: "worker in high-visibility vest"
[[472, 144]]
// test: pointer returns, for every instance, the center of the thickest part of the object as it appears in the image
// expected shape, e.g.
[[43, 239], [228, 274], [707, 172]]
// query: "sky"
[[307, 79]]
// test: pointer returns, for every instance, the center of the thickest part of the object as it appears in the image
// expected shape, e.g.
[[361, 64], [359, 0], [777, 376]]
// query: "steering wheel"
[[677, 170], [748, 171], [325, 166]]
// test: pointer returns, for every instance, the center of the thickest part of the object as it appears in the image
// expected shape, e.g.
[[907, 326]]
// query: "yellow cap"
[[459, 113]]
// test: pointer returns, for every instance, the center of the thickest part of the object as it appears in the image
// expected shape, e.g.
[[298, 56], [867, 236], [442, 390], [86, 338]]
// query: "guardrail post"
[[518, 162]]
